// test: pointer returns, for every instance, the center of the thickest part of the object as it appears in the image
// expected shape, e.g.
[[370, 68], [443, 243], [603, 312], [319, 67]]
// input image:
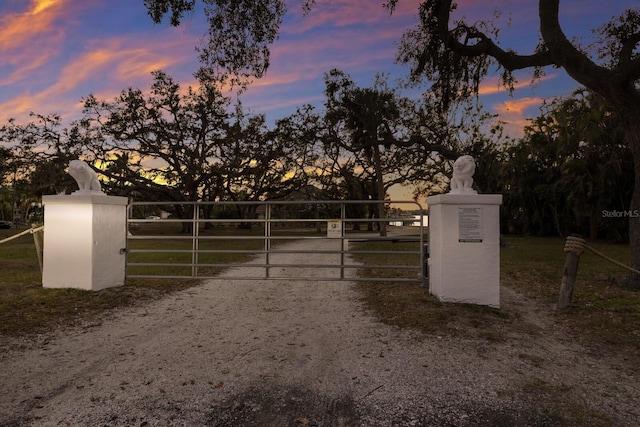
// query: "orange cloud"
[[29, 39], [17, 29], [513, 114], [18, 106], [32, 38], [40, 6], [275, 79], [517, 107], [493, 85], [107, 66], [24, 63]]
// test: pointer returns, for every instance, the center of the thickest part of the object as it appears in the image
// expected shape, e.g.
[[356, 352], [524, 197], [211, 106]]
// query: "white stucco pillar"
[[464, 248], [84, 241]]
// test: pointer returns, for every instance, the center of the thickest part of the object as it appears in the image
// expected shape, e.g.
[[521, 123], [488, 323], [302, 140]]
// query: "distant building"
[[410, 221]]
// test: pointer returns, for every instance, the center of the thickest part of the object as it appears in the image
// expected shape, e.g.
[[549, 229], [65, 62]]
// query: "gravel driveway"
[[287, 353]]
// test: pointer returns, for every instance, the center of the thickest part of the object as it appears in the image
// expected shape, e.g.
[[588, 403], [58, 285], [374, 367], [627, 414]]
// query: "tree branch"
[[485, 46], [564, 53], [417, 140]]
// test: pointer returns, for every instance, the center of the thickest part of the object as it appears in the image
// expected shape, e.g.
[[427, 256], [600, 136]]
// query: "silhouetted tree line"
[[571, 172]]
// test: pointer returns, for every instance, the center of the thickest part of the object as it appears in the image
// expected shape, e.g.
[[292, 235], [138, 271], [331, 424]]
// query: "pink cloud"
[[309, 57], [116, 59], [341, 13], [16, 107], [275, 79]]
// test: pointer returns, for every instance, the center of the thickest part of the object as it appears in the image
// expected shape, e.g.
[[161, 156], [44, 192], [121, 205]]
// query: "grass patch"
[[603, 313], [405, 254], [409, 305], [26, 307]]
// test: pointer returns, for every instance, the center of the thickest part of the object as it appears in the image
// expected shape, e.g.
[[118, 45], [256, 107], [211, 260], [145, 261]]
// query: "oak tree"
[[453, 55], [456, 55], [236, 46]]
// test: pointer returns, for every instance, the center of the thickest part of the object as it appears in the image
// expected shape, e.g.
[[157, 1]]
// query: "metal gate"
[[286, 240]]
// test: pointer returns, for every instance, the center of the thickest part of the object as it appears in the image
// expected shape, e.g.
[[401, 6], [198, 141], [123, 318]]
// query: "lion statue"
[[462, 181], [85, 177]]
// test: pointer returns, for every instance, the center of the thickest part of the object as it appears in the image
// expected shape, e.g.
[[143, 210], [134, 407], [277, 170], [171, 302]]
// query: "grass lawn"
[[27, 307], [602, 310], [602, 313]]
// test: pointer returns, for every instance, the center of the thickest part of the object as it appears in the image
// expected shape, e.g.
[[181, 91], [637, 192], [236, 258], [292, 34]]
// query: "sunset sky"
[[54, 52]]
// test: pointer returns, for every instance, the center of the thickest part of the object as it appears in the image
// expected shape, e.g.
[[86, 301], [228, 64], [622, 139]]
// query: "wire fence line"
[[38, 238], [29, 231]]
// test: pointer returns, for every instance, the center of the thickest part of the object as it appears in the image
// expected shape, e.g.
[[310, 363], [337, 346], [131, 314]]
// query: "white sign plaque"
[[470, 225], [334, 228]]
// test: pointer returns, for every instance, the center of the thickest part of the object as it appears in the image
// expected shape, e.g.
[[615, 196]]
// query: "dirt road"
[[285, 353]]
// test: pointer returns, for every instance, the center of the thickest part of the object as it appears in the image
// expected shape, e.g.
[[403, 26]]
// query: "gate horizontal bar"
[[285, 278]]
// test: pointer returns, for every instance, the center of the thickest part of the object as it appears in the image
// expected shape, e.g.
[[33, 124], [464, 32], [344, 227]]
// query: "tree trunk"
[[382, 226], [317, 217], [184, 212], [206, 213], [593, 222], [626, 102], [593, 227], [633, 137]]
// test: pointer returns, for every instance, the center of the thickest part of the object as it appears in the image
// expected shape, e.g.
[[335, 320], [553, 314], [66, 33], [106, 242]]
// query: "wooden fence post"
[[573, 249], [568, 279], [38, 237]]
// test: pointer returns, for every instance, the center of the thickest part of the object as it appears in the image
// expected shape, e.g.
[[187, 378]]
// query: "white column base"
[[464, 248], [84, 241]]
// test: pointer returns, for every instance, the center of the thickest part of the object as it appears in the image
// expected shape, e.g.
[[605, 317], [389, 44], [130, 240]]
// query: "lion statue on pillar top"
[[462, 180], [86, 178]]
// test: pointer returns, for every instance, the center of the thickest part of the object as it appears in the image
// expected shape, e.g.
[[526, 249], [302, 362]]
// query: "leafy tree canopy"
[[236, 47], [456, 54]]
